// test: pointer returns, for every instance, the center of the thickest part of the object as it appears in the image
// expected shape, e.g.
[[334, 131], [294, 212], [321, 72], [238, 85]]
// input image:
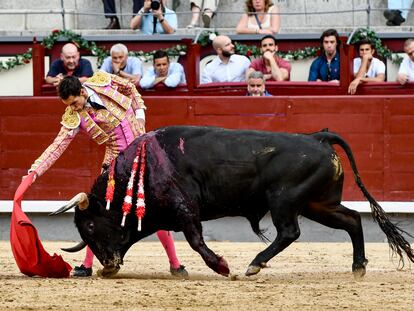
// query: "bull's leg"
[[286, 222], [340, 217], [192, 230]]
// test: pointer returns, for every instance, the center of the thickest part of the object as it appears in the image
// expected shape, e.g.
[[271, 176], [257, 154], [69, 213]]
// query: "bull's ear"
[[96, 205]]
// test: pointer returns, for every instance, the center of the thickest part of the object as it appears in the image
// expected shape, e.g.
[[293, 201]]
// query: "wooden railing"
[[379, 129]]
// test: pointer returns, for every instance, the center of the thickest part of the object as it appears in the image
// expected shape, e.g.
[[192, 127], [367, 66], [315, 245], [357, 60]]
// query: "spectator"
[[226, 66], [171, 74], [367, 68], [261, 17], [406, 71], [120, 64], [256, 84], [110, 12], [273, 67], [155, 20], [69, 64], [397, 11], [208, 7], [327, 66]]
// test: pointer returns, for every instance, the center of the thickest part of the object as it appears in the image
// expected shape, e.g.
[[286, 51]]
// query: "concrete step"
[[122, 34]]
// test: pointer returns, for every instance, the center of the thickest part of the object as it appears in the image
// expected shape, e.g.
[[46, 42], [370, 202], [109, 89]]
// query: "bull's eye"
[[90, 227]]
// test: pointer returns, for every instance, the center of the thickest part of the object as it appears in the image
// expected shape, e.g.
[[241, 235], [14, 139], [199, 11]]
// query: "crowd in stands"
[[227, 66], [261, 17]]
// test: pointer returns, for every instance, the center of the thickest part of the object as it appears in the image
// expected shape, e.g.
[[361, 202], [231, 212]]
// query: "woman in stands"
[[261, 17]]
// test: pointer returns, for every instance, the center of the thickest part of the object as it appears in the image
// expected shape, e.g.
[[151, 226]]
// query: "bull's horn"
[[75, 248], [81, 200]]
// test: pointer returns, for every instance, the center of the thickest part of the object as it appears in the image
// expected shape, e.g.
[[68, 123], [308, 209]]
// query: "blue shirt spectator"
[[324, 71], [69, 64], [83, 69], [165, 19], [327, 66], [119, 63], [171, 74], [133, 66], [256, 84]]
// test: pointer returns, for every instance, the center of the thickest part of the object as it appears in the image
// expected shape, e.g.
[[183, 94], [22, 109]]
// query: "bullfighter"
[[110, 111]]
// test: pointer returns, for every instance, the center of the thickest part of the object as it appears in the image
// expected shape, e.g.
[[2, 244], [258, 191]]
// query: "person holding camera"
[[154, 18]]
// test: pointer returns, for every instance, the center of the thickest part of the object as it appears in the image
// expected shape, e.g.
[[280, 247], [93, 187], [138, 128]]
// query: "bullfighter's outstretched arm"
[[54, 151]]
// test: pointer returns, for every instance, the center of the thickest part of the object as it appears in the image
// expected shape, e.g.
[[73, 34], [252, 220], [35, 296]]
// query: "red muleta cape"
[[28, 251]]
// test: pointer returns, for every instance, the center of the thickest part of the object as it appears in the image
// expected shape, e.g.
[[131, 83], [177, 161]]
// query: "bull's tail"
[[397, 243]]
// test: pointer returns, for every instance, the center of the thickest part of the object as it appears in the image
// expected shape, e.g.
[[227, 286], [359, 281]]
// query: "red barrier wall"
[[380, 130]]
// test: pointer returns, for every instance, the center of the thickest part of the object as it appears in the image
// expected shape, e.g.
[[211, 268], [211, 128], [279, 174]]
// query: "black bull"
[[201, 173]]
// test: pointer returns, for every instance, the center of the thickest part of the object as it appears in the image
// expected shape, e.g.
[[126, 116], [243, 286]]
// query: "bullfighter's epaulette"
[[70, 119], [99, 78]]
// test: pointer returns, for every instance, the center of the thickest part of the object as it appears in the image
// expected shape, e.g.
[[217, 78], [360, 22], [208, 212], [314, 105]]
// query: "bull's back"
[[225, 170]]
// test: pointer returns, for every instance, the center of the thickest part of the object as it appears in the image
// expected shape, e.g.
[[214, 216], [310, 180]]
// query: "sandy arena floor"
[[306, 276]]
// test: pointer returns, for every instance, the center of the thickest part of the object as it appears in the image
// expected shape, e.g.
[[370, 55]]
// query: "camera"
[[155, 4]]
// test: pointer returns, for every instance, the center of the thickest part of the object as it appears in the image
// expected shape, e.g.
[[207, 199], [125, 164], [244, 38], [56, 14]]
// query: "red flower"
[[248, 53], [55, 31], [26, 61]]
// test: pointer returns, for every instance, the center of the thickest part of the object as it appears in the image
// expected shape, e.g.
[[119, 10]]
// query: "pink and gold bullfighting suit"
[[116, 126]]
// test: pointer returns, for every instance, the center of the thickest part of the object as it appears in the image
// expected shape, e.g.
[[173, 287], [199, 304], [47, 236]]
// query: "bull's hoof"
[[359, 269], [223, 267], [252, 270], [108, 272]]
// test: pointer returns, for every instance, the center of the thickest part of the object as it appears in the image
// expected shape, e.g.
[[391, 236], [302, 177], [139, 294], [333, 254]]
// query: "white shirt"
[[407, 68], [377, 67], [139, 113], [233, 71]]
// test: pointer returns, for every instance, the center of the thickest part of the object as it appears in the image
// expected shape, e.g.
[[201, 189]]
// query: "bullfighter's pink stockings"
[[166, 240]]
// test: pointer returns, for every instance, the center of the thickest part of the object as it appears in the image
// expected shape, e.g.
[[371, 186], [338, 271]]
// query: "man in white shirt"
[[367, 68], [227, 66], [406, 72]]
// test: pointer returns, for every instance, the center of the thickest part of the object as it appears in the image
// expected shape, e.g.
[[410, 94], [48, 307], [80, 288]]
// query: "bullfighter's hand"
[[141, 123], [34, 177]]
